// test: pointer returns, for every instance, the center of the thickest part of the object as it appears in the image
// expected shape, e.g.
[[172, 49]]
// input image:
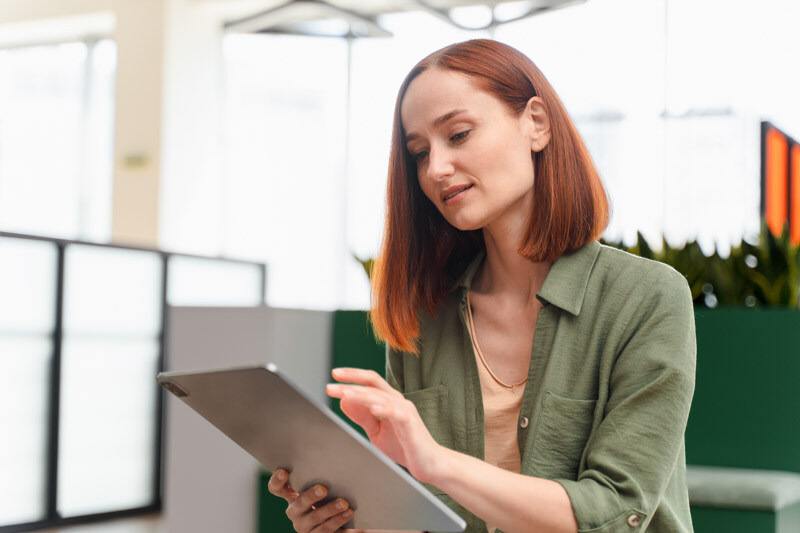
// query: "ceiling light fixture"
[[309, 17], [500, 12]]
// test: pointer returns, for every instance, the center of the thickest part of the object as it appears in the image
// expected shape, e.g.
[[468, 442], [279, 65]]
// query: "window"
[[86, 322], [56, 139], [27, 324]]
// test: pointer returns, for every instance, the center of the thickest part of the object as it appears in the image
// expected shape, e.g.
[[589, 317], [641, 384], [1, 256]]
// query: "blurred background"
[[225, 160]]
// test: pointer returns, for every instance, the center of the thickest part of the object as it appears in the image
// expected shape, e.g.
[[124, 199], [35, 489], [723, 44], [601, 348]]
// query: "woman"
[[536, 380]]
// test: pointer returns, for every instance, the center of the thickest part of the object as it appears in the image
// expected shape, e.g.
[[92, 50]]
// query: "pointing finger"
[[360, 376]]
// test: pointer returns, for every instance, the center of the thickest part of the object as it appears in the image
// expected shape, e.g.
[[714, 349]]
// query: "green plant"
[[366, 264], [765, 273]]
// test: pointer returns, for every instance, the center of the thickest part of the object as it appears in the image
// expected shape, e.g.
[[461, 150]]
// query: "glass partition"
[[112, 325], [82, 334], [27, 321]]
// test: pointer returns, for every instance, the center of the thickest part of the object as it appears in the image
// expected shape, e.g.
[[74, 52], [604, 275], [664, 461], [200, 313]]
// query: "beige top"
[[501, 407]]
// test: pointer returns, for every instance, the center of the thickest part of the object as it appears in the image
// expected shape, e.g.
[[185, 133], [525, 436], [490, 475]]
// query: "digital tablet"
[[282, 427]]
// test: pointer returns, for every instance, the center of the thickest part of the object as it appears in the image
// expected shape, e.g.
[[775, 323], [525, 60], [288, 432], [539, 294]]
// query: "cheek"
[[513, 161], [525, 168], [522, 161]]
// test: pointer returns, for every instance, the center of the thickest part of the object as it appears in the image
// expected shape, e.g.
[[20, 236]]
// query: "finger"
[[321, 517], [279, 485], [361, 415], [334, 523], [390, 411], [370, 413], [360, 376], [302, 504], [361, 394], [376, 402]]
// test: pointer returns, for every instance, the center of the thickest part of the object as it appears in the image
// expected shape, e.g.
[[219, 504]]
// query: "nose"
[[440, 163]]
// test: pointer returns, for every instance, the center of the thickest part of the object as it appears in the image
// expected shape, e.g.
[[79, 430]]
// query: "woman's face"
[[474, 158]]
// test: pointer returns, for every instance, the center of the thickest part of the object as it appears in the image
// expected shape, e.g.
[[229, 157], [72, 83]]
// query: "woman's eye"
[[460, 136], [419, 156]]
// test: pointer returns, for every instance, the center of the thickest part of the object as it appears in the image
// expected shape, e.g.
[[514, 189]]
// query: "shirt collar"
[[465, 280], [565, 284]]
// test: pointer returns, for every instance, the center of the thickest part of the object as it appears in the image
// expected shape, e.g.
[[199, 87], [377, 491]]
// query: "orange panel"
[[776, 181], [795, 177]]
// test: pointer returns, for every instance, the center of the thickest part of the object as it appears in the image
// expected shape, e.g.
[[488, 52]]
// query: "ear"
[[538, 123]]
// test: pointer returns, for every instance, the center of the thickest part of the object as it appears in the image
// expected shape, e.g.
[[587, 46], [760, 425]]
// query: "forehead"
[[438, 91]]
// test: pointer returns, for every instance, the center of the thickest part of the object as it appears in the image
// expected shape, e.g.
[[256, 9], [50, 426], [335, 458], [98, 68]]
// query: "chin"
[[466, 224]]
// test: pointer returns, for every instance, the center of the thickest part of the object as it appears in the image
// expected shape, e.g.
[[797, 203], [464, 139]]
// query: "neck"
[[505, 271]]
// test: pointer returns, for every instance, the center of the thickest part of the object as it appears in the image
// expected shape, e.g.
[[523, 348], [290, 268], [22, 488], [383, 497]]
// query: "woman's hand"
[[392, 423], [305, 517]]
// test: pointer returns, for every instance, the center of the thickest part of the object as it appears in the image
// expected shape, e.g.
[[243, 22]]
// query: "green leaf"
[[366, 264], [771, 278], [767, 270]]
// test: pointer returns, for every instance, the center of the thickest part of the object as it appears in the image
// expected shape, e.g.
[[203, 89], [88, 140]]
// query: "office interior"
[[190, 184]]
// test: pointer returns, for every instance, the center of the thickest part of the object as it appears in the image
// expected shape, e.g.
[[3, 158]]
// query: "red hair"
[[422, 254]]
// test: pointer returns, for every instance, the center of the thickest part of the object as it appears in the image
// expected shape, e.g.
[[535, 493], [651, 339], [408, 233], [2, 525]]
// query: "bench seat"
[[744, 500]]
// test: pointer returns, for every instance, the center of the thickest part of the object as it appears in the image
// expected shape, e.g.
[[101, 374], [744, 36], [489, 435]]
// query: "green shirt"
[[608, 392]]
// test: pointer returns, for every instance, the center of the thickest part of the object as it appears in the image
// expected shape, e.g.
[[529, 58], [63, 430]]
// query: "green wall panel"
[[715, 520], [718, 520], [271, 509], [354, 345], [747, 396]]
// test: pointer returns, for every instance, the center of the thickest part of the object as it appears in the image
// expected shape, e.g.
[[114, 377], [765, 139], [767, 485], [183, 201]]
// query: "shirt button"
[[633, 520], [523, 422]]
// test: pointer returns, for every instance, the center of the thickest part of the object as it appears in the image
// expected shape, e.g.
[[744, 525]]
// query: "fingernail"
[[340, 504], [281, 475], [333, 388], [319, 491], [377, 408], [348, 513]]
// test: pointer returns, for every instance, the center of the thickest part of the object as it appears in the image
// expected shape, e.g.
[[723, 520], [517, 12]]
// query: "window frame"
[[52, 518]]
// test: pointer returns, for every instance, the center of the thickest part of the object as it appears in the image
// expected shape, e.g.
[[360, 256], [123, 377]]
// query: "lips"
[[454, 190]]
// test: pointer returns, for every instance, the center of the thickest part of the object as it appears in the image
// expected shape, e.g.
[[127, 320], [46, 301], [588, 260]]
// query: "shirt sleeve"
[[632, 454]]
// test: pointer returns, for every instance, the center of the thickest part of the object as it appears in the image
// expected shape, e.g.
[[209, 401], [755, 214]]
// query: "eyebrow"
[[438, 122]]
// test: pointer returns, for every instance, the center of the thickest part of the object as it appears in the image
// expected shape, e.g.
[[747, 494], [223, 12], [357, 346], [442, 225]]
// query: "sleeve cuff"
[[598, 514]]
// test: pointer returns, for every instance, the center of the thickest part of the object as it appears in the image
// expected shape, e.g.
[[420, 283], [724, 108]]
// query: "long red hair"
[[422, 254]]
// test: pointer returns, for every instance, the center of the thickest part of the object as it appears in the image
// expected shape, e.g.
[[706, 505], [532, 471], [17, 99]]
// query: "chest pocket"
[[560, 437], [434, 409]]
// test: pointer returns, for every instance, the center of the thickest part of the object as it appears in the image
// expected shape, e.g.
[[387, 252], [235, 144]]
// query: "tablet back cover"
[[282, 427]]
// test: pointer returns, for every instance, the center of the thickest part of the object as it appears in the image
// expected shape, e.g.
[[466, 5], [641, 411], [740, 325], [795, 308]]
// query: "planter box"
[[745, 416], [747, 398]]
